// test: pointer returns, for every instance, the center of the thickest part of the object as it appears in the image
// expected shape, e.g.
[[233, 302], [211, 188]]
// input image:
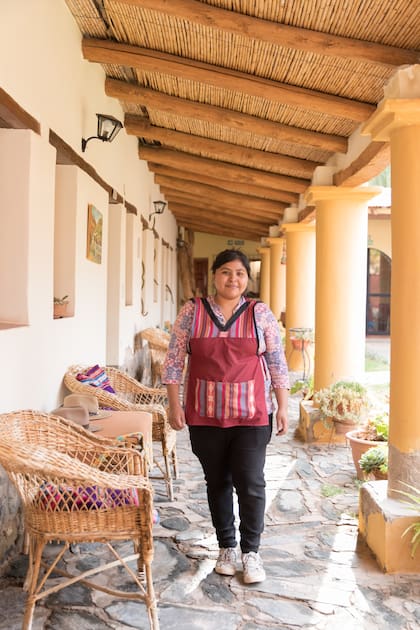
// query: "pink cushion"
[[96, 377]]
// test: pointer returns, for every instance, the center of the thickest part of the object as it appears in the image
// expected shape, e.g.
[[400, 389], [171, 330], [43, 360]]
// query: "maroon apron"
[[226, 374]]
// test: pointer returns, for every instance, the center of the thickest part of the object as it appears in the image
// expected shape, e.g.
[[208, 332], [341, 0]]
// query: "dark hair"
[[227, 255]]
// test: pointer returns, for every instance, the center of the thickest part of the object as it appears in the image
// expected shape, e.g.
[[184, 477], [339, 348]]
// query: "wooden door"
[[201, 266]]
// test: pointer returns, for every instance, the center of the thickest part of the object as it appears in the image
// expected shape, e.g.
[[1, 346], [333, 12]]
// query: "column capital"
[[275, 240], [334, 193], [392, 114], [263, 250], [297, 227]]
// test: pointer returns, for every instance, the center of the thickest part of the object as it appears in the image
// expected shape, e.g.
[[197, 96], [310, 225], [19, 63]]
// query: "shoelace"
[[252, 562], [228, 555]]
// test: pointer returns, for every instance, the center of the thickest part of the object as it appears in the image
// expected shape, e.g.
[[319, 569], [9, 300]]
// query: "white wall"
[[379, 235], [44, 206]]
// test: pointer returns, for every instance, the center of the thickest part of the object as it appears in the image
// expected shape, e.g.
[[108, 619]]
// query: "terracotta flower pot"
[[60, 310], [375, 475], [299, 344], [359, 446]]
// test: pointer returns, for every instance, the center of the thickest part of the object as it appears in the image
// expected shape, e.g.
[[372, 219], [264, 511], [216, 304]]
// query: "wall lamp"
[[159, 208], [108, 127]]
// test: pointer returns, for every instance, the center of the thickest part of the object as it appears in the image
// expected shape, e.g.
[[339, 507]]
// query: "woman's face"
[[230, 280]]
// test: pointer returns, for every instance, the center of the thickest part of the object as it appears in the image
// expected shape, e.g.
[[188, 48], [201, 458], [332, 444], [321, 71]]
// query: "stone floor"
[[319, 574]]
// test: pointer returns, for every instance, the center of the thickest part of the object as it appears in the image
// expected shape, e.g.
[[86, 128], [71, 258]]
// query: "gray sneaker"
[[226, 562], [253, 567]]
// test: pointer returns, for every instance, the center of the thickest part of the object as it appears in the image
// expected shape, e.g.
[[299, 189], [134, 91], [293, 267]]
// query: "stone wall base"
[[382, 522]]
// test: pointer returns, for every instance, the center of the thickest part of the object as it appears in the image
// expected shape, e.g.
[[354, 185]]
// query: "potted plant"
[[60, 306], [342, 405], [301, 337], [373, 433], [374, 462], [305, 386]]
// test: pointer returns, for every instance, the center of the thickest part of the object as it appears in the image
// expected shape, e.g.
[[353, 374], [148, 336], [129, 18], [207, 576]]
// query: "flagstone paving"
[[320, 575]]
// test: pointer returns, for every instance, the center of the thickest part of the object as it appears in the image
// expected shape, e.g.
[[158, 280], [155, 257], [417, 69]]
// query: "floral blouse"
[[269, 343]]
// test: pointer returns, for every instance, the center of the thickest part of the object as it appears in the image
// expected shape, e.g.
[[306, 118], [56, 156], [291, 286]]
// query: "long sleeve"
[[173, 367]]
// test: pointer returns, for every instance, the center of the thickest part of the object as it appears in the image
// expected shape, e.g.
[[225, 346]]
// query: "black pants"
[[234, 458]]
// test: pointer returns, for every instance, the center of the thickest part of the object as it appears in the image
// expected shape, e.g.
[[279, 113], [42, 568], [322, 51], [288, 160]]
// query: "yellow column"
[[265, 274], [277, 276], [383, 516], [300, 288], [341, 258]]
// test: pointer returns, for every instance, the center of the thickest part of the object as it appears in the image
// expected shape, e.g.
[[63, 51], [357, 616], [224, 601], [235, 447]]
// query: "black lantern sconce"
[[159, 208], [108, 127]]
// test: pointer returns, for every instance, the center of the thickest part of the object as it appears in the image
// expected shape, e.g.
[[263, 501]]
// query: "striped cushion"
[[96, 377]]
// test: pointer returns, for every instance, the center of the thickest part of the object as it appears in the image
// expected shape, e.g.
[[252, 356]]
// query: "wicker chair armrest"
[[158, 411], [51, 431], [155, 396], [158, 345], [47, 464]]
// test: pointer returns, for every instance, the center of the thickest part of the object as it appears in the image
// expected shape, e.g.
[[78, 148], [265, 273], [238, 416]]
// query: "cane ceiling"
[[236, 102]]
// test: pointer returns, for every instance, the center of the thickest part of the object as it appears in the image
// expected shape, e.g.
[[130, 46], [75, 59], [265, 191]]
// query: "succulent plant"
[[375, 458], [343, 401]]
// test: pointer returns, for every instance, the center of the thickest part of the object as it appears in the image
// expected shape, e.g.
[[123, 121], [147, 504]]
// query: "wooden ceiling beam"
[[370, 163], [212, 204], [180, 212], [205, 204], [190, 213], [109, 52], [204, 208], [221, 229], [216, 168], [13, 116], [273, 162], [174, 105], [224, 184], [221, 232], [283, 35], [223, 197]]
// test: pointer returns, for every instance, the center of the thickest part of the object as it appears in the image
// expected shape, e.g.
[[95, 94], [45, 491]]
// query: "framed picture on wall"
[[94, 234]]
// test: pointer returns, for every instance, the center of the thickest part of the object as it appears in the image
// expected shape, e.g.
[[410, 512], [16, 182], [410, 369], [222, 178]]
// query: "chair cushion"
[[54, 498], [96, 377], [57, 498]]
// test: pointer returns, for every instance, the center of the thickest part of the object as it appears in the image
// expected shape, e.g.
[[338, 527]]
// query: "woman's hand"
[[282, 422], [176, 417]]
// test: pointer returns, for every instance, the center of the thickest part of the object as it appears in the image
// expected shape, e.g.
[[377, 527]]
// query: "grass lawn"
[[375, 363]]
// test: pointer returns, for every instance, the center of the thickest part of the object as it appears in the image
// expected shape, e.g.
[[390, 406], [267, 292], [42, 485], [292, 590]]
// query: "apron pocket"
[[213, 399]]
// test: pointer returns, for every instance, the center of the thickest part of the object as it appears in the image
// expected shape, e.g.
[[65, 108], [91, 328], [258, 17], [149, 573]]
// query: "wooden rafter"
[[129, 93], [226, 151], [187, 209], [222, 196], [366, 166], [220, 229], [243, 174], [206, 203], [225, 184], [108, 52], [280, 34]]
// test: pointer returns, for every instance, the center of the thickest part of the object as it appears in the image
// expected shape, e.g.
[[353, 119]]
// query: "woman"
[[235, 360]]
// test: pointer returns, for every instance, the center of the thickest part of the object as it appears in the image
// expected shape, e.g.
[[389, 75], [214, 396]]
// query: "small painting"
[[94, 235]]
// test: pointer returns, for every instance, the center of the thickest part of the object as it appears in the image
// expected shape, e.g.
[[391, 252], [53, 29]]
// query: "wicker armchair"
[[77, 487], [158, 342], [130, 395]]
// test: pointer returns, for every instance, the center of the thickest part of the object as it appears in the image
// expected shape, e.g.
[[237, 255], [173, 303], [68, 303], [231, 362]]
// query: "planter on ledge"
[[359, 446]]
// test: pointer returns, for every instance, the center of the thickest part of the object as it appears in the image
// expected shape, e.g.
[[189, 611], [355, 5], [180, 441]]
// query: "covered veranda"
[[320, 573]]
